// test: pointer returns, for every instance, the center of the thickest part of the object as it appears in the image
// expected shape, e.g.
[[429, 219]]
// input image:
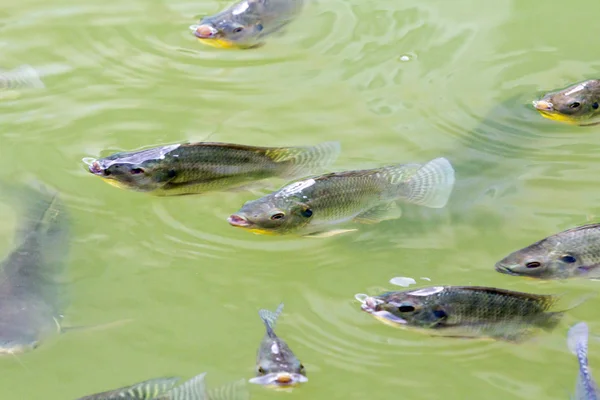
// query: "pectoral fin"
[[379, 213], [326, 234]]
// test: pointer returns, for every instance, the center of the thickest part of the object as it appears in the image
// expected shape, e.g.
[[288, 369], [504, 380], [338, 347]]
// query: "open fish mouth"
[[280, 379], [372, 305], [543, 105], [94, 166], [204, 31], [239, 221], [503, 269]]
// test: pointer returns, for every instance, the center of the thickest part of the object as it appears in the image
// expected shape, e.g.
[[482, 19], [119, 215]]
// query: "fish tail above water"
[[195, 389], [24, 76], [577, 342], [305, 160], [270, 318], [431, 185]]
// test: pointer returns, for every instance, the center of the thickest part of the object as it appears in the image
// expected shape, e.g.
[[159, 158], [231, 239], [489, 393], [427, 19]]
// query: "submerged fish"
[[312, 205], [246, 23], [571, 253], [577, 104], [30, 302], [466, 311], [577, 341], [201, 167], [23, 77], [276, 363], [163, 388]]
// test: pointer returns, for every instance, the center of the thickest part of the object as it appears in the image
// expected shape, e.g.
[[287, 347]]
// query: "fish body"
[[165, 389], [193, 168], [577, 341], [30, 300], [466, 311], [246, 23], [23, 77], [571, 253], [276, 364], [578, 104], [368, 196]]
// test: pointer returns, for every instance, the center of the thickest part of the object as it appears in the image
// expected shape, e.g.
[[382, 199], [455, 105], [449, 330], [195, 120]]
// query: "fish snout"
[[543, 105], [238, 221], [504, 269], [205, 31], [96, 168]]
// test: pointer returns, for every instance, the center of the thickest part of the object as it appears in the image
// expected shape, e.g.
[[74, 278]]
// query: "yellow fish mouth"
[[545, 108], [219, 43], [115, 183]]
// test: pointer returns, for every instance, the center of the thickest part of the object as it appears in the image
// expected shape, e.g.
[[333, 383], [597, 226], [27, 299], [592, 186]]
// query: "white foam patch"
[[402, 281], [361, 297], [427, 291], [194, 27], [88, 160], [240, 8]]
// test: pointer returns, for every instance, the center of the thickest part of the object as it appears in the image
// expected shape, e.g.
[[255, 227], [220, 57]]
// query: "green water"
[[121, 75]]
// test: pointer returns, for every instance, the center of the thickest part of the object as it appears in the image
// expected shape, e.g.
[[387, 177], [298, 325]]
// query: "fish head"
[[238, 29], [133, 171], [540, 260], [404, 308], [575, 105], [272, 214], [16, 346], [278, 366]]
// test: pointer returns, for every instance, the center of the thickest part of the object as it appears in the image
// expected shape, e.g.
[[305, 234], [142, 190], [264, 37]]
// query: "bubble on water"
[[194, 27], [405, 58], [402, 281], [88, 160]]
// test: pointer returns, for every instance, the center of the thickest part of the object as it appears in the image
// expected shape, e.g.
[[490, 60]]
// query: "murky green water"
[[126, 74]]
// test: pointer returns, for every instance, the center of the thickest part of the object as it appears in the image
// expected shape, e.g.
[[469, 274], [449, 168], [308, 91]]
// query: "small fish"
[[23, 77], [465, 311], [165, 389], [31, 304], [245, 24], [571, 253], [277, 366], [312, 205], [193, 168], [577, 104], [577, 341]]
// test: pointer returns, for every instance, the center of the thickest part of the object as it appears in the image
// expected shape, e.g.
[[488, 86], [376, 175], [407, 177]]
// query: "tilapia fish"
[[31, 305], [578, 104], [466, 311], [276, 364], [571, 253], [311, 206], [192, 168], [164, 389], [246, 23], [577, 341], [23, 77]]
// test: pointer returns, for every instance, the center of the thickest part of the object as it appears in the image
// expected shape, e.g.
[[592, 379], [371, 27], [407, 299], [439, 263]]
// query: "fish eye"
[[595, 106], [307, 213], [301, 366], [238, 29], [569, 259], [261, 370], [277, 216], [533, 264], [406, 308], [135, 171], [575, 104]]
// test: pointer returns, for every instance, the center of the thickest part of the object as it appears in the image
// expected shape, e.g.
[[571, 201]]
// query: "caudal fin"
[[23, 77], [307, 160], [192, 389], [270, 318], [431, 185], [577, 338], [230, 391]]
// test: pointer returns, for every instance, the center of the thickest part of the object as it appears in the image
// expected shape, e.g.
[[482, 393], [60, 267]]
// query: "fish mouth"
[[372, 305], [543, 105], [505, 269], [238, 221], [280, 379], [94, 166], [204, 31]]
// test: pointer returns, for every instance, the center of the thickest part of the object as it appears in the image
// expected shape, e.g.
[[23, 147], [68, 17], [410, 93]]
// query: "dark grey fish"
[[577, 341], [31, 304], [276, 363], [568, 254], [165, 389], [23, 77]]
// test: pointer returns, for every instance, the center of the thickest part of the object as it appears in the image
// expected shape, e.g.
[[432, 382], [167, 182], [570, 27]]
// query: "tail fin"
[[23, 77], [147, 389], [231, 391], [306, 160], [431, 185], [270, 318], [578, 337], [192, 389]]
